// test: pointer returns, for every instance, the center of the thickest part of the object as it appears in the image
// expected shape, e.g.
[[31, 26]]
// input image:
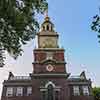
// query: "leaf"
[[15, 17]]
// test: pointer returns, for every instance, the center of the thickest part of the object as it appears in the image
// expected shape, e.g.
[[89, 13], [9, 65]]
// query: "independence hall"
[[49, 79]]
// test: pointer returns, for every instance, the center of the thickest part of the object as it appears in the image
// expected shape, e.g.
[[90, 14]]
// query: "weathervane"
[[46, 13]]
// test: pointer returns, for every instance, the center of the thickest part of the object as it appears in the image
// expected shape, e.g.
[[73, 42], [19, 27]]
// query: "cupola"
[[47, 25]]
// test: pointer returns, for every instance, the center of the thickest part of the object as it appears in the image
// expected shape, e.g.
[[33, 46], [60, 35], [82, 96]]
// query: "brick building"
[[49, 79]]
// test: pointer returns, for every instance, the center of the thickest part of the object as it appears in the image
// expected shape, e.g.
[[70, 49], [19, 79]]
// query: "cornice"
[[57, 62], [51, 75], [49, 49]]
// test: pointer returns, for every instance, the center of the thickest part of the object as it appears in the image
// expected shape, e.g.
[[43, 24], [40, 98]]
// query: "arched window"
[[50, 92], [43, 28], [47, 27]]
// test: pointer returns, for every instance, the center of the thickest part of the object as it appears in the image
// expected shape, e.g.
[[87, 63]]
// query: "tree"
[[96, 93], [96, 25], [1, 58], [18, 23]]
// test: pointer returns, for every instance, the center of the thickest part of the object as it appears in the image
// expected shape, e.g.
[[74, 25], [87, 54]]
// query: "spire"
[[46, 13]]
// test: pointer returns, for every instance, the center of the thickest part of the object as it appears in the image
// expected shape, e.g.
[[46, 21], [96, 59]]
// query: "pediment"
[[49, 61]]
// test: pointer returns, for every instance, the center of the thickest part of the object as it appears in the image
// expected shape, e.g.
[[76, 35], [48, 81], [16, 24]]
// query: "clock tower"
[[49, 70], [48, 57]]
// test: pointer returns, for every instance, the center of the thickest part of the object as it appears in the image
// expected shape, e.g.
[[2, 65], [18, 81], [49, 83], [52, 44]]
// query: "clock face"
[[49, 42], [49, 68]]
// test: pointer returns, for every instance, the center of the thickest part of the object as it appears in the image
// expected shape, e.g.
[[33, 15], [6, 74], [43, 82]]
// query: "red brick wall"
[[64, 92], [40, 56], [59, 56]]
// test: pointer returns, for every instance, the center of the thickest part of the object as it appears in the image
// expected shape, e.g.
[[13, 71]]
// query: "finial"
[[46, 15]]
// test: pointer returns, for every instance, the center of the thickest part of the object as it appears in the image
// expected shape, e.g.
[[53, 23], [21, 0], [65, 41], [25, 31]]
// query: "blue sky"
[[72, 19]]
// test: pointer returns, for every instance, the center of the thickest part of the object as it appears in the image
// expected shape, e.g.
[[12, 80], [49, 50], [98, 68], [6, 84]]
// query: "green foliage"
[[1, 58], [96, 25], [96, 93], [18, 23]]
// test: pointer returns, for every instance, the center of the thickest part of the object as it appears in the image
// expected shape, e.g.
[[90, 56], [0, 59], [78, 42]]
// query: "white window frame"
[[29, 91], [85, 90], [49, 55], [76, 90], [19, 91], [9, 91]]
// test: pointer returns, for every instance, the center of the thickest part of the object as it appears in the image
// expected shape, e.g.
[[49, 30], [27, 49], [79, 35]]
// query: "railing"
[[74, 77], [20, 78]]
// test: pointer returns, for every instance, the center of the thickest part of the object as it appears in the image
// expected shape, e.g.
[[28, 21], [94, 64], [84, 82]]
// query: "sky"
[[72, 19]]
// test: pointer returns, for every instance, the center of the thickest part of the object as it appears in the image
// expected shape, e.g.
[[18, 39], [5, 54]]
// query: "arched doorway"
[[50, 92]]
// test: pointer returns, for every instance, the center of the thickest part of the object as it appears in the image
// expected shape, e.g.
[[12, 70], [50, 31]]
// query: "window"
[[19, 91], [47, 27], [43, 28], [76, 90], [9, 91], [49, 55], [29, 91], [85, 90]]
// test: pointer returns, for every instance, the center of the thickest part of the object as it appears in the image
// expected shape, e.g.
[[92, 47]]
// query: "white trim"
[[9, 91], [49, 67], [19, 91], [43, 90], [85, 90], [50, 83], [60, 49], [50, 74], [56, 89], [76, 90], [29, 90]]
